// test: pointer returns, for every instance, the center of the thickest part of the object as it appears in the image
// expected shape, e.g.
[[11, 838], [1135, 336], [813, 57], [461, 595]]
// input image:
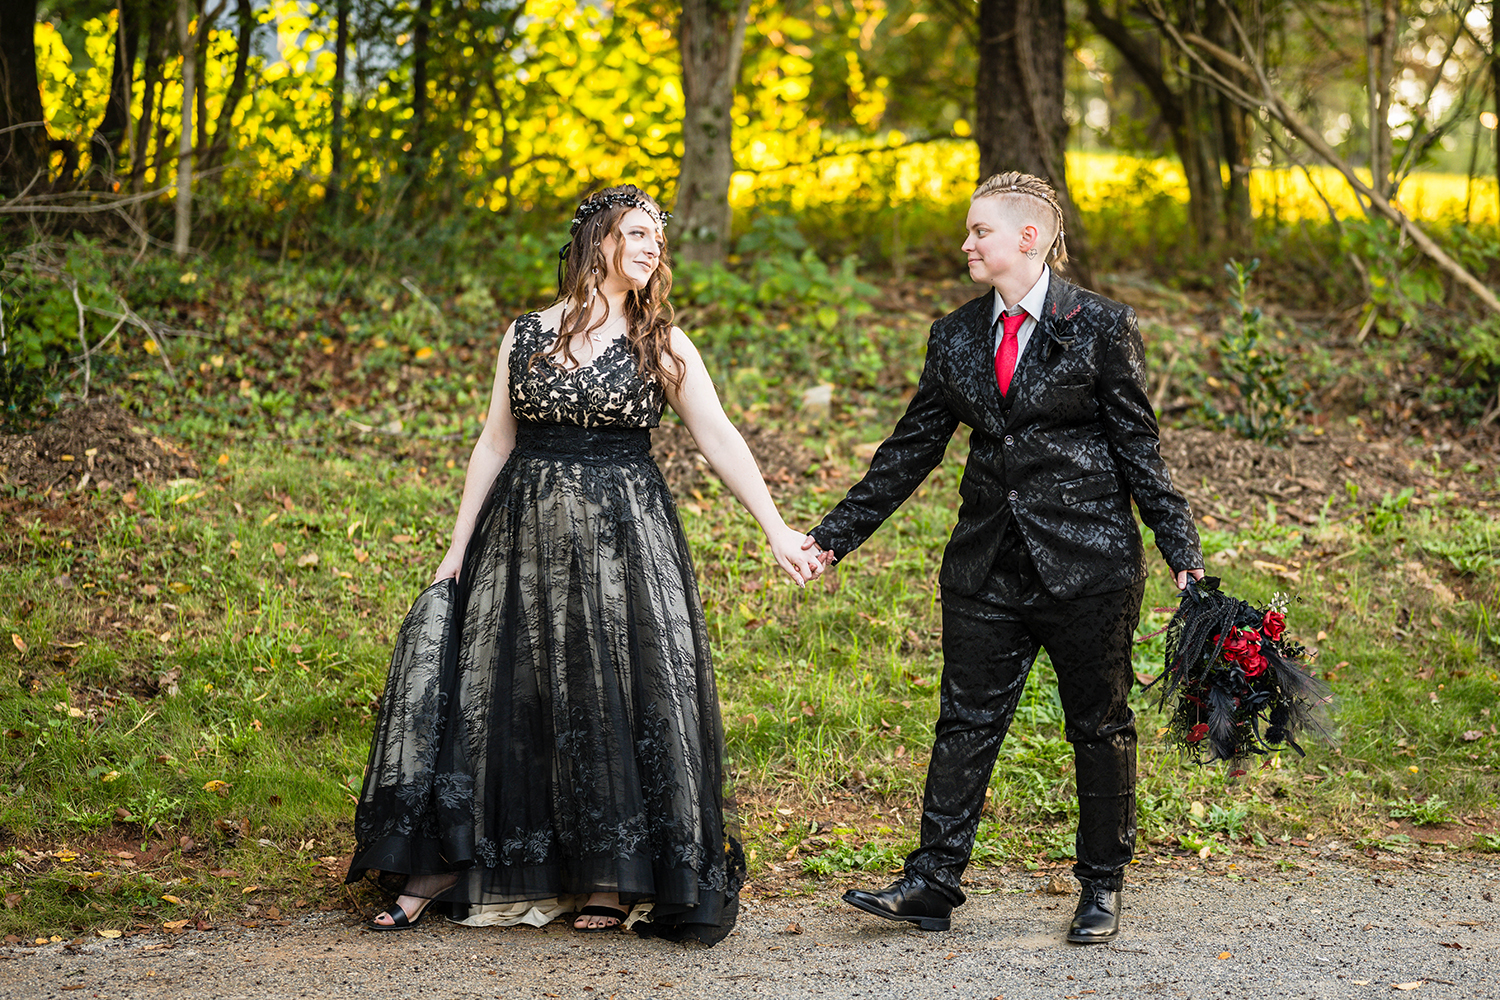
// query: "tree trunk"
[[1495, 84], [1200, 152], [1197, 119], [206, 19], [114, 129], [23, 151], [340, 70], [420, 35], [1380, 59], [245, 15], [1018, 101], [711, 38], [1232, 127], [182, 231]]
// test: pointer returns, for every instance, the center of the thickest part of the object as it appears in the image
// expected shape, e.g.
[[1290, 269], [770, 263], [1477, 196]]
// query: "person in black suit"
[[1046, 553]]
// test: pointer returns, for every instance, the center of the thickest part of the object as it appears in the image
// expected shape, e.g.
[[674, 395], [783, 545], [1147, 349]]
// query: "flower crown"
[[599, 202]]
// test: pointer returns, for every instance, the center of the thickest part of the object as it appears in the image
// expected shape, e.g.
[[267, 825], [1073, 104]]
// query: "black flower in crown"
[[633, 197]]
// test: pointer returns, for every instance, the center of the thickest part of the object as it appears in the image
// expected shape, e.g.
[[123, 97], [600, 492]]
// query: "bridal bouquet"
[[1241, 684]]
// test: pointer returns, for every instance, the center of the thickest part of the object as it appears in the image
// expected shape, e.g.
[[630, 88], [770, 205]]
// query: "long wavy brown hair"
[[648, 314]]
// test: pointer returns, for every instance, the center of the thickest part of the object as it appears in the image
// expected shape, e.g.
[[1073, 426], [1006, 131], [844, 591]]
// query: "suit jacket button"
[[1009, 439], [1014, 495]]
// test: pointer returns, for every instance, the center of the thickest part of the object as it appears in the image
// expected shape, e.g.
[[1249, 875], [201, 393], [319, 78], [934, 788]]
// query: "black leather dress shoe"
[[909, 898], [1097, 918]]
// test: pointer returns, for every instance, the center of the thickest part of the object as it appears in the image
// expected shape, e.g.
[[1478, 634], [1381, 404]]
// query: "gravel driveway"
[[1265, 930]]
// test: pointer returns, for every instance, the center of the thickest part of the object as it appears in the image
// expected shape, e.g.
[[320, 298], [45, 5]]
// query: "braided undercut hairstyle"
[[1019, 193]]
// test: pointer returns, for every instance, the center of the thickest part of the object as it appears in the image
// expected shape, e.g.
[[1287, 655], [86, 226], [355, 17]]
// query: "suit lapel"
[[1051, 332], [1036, 345], [979, 358]]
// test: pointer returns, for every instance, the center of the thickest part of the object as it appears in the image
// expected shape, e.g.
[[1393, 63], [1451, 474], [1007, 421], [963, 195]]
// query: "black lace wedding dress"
[[550, 725]]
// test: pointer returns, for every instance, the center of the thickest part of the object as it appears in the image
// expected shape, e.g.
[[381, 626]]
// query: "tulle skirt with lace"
[[550, 725]]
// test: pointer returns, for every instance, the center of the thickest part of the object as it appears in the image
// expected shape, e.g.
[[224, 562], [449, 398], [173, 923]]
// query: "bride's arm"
[[698, 405], [489, 455]]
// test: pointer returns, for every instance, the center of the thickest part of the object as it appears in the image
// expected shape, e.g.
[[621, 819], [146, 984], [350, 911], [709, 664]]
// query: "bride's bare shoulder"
[[551, 316]]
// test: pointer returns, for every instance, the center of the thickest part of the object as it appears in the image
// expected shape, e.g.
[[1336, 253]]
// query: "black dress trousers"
[[990, 640]]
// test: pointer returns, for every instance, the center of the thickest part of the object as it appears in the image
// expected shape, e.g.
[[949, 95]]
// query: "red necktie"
[[1005, 354]]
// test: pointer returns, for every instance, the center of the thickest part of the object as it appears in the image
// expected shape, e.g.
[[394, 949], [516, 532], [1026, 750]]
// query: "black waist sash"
[[593, 445]]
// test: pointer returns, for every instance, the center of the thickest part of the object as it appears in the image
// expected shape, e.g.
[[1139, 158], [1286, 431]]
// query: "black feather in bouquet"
[[1242, 686]]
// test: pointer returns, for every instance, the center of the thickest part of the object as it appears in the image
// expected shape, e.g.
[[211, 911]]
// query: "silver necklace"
[[599, 336]]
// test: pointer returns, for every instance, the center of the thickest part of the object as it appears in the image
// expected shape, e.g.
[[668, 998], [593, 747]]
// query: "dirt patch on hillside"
[[783, 462], [1227, 477], [96, 445]]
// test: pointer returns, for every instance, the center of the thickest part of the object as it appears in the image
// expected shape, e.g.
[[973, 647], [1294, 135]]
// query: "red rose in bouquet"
[[1241, 686], [1243, 647]]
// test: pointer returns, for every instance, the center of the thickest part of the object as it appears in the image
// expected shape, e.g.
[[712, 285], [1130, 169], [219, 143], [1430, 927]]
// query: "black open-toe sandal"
[[601, 911], [399, 920]]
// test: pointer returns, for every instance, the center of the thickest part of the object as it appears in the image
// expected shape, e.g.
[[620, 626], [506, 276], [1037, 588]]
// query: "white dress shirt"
[[1031, 303]]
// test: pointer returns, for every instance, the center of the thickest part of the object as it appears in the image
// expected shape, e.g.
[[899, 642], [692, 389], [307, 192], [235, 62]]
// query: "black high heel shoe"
[[400, 921]]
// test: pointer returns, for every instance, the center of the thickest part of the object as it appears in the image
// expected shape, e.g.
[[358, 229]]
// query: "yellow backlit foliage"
[[585, 97]]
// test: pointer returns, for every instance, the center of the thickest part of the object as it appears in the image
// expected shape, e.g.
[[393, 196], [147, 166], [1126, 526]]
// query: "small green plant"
[[868, 857], [1489, 843], [1386, 517], [1256, 366], [152, 808], [1198, 843], [1227, 819], [1428, 812], [87, 820]]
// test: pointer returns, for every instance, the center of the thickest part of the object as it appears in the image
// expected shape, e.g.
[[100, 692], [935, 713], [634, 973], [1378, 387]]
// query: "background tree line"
[[284, 127]]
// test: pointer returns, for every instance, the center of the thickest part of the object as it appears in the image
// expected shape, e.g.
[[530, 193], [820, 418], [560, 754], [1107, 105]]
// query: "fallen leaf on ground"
[[110, 933], [1407, 986], [174, 925], [1223, 955], [20, 643], [794, 928], [307, 559]]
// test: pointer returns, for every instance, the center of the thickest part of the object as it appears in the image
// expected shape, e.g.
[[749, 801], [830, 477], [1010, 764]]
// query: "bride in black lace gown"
[[549, 740]]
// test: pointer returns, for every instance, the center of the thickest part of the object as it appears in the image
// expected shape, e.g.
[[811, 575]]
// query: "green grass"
[[195, 664], [201, 676]]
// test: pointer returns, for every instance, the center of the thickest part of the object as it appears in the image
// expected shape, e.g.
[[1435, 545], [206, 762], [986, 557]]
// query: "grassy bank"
[[196, 666], [197, 659]]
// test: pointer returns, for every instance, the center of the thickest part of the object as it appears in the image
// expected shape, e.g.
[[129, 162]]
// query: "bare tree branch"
[[35, 206], [1200, 50]]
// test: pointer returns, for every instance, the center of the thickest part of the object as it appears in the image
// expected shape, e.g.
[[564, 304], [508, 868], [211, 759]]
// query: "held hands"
[[825, 556], [789, 549], [1182, 578]]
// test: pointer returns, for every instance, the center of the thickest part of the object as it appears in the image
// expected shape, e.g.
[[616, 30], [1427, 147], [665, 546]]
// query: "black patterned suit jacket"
[[1063, 456]]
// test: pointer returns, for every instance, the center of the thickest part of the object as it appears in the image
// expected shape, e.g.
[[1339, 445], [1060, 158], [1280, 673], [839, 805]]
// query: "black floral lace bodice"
[[610, 392]]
